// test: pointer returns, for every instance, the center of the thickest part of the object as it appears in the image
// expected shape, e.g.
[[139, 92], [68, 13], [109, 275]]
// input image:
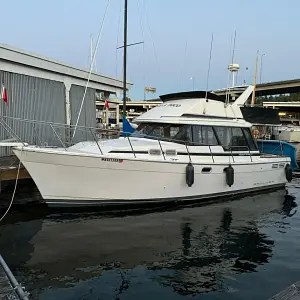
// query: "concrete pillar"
[[67, 102], [68, 110], [117, 114]]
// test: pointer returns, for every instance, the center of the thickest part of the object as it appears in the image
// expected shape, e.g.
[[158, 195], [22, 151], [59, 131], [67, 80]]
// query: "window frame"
[[193, 143], [251, 137], [230, 148]]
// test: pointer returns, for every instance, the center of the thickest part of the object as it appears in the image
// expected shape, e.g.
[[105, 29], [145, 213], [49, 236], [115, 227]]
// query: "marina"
[[215, 251], [141, 161]]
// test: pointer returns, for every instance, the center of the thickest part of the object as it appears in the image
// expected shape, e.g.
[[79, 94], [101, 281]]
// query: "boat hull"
[[65, 179]]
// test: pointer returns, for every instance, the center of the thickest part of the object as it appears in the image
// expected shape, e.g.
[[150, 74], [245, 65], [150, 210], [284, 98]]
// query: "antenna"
[[232, 68], [233, 49], [254, 88], [208, 71]]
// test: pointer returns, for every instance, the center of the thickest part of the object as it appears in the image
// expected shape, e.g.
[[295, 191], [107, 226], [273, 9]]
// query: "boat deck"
[[9, 169]]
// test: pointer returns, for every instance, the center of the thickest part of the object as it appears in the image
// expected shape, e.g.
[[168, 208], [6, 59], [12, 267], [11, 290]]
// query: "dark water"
[[248, 248]]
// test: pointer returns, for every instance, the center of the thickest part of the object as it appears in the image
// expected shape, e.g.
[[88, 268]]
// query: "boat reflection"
[[189, 249]]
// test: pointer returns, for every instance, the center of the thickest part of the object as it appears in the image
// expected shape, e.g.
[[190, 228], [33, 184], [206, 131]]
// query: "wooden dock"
[[9, 287], [290, 293], [9, 169]]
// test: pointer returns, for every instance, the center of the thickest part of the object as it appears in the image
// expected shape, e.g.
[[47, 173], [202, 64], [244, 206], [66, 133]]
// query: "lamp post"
[[261, 65]]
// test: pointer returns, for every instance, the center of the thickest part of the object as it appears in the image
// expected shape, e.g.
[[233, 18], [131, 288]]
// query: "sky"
[[177, 37]]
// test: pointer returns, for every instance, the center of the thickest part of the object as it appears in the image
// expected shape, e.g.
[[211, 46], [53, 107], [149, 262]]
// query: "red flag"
[[4, 94], [106, 105]]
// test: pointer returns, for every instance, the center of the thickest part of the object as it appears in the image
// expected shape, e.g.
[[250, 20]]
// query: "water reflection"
[[206, 256], [189, 249], [288, 205]]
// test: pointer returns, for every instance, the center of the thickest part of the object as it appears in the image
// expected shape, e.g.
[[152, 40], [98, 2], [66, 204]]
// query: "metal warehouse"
[[39, 88]]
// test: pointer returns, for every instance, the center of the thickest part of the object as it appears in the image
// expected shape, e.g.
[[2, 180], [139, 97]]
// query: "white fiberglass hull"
[[79, 179]]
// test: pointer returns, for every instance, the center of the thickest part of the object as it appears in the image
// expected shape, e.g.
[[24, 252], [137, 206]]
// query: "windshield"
[[163, 131]]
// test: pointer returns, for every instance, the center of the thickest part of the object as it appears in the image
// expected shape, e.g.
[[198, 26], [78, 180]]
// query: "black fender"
[[288, 173], [229, 175]]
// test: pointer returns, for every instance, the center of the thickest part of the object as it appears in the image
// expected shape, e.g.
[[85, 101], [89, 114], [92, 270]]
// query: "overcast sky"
[[176, 35]]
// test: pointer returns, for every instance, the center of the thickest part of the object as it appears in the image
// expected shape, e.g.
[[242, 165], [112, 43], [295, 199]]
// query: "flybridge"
[[193, 105], [192, 95]]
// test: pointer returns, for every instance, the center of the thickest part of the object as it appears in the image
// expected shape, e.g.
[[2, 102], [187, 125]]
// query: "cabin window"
[[163, 131], [224, 136], [204, 135], [184, 135], [251, 143], [232, 138], [157, 130], [238, 140]]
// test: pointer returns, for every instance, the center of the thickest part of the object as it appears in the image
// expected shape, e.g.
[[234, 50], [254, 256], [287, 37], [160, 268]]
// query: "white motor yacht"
[[193, 146]]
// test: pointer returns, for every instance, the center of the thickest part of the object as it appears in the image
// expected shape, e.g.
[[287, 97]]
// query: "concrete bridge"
[[270, 88]]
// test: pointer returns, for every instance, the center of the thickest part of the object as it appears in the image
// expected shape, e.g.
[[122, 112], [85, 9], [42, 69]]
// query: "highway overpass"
[[270, 88]]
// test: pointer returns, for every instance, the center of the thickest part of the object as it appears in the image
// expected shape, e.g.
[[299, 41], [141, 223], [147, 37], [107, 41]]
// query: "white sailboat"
[[196, 145]]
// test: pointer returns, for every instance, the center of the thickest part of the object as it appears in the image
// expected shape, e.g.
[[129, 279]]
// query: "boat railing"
[[49, 134], [231, 150]]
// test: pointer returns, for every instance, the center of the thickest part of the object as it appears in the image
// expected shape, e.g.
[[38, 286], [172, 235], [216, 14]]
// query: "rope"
[[151, 37], [91, 68], [15, 188]]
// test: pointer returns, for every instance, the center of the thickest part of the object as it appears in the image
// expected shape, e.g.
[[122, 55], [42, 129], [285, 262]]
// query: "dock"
[[9, 287], [290, 293], [9, 169]]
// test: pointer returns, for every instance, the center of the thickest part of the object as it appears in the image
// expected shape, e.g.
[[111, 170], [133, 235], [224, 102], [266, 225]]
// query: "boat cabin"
[[198, 119], [230, 138]]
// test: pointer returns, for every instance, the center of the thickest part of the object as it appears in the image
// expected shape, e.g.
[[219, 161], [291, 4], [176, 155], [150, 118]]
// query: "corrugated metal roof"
[[22, 57]]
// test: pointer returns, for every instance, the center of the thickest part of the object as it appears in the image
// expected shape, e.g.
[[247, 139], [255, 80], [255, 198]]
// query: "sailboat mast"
[[125, 61]]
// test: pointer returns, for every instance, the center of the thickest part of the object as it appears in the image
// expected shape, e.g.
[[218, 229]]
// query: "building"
[[112, 116], [46, 90]]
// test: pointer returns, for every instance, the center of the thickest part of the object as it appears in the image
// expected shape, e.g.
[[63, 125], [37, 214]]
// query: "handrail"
[[250, 154], [187, 150], [232, 155], [131, 147], [58, 137], [95, 132], [161, 150], [96, 141], [212, 156], [10, 130]]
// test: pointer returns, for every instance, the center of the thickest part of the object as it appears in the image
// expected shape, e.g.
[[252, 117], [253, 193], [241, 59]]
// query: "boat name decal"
[[170, 105], [264, 183], [112, 160]]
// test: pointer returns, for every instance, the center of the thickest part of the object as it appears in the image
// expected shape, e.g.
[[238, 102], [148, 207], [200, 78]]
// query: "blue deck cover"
[[279, 148]]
